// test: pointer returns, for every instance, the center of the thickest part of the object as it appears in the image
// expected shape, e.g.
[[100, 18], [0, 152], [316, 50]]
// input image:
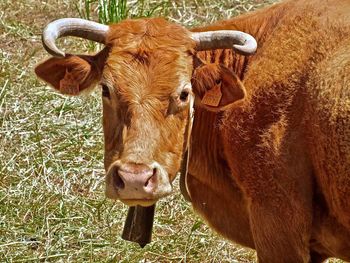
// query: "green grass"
[[52, 204], [113, 11]]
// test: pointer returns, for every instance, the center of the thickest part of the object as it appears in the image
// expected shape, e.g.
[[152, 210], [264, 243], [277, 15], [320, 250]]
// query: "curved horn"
[[72, 27], [221, 39]]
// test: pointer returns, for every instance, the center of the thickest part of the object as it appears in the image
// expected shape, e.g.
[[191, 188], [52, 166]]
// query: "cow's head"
[[145, 72]]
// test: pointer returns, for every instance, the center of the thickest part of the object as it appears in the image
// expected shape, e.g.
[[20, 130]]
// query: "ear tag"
[[69, 85], [213, 96]]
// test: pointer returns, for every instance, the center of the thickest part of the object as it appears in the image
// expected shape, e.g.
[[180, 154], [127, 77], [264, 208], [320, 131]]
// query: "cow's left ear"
[[72, 74], [216, 87]]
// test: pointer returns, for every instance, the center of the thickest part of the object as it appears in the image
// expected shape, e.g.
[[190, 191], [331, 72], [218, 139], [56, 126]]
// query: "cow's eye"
[[184, 95], [105, 91]]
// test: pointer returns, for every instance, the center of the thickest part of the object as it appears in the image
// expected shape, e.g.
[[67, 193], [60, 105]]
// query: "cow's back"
[[329, 126]]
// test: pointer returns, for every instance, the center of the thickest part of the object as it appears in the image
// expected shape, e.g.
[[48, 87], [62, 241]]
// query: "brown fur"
[[269, 141], [270, 168]]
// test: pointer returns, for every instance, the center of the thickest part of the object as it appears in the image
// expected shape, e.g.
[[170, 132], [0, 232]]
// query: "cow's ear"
[[216, 87], [72, 74]]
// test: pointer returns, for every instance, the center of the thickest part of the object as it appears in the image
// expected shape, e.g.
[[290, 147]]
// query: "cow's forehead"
[[159, 69], [148, 60], [151, 33]]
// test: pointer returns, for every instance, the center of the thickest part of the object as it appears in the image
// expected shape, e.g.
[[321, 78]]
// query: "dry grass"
[[52, 205]]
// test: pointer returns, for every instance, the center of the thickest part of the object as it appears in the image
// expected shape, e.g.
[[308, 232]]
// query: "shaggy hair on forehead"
[[148, 59], [149, 34]]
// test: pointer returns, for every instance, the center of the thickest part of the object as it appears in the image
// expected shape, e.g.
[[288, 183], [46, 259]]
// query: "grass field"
[[52, 204]]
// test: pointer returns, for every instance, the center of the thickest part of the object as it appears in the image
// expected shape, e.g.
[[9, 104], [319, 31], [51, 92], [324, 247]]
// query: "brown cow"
[[270, 145]]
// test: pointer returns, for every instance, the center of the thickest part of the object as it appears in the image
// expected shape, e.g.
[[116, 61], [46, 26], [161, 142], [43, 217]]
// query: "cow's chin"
[[135, 202]]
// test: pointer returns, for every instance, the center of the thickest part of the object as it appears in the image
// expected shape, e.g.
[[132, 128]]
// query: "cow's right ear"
[[72, 74]]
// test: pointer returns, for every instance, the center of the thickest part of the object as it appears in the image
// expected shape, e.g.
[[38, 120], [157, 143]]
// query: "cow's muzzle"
[[137, 184]]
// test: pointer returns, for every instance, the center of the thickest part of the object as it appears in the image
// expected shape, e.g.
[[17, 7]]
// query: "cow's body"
[[280, 163], [271, 171]]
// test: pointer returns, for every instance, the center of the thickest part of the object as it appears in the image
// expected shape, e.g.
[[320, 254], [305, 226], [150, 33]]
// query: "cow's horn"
[[221, 39], [72, 27]]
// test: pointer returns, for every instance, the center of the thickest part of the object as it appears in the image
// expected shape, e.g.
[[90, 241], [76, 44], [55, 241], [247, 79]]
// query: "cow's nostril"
[[152, 179], [118, 181]]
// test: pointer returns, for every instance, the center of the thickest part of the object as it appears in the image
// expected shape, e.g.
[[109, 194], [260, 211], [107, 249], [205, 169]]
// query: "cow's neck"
[[206, 141], [213, 191], [206, 157]]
